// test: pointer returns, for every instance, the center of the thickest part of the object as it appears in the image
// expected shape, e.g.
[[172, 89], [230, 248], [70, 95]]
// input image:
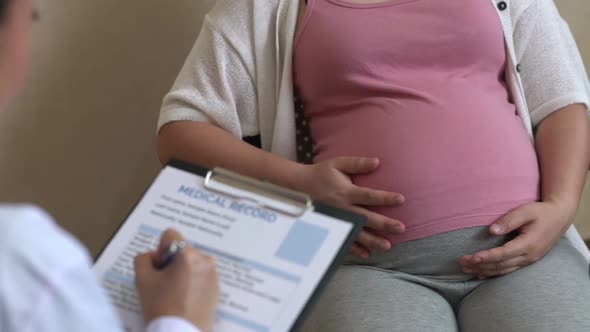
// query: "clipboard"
[[264, 196]]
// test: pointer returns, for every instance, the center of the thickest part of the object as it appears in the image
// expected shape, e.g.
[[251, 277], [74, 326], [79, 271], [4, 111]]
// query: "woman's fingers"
[[377, 222], [340, 191], [366, 196], [497, 268], [511, 249], [372, 241], [359, 251], [367, 241], [500, 273], [355, 165], [515, 219]]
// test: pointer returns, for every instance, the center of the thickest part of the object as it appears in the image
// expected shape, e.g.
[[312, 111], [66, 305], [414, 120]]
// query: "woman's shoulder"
[[519, 7], [245, 13], [250, 4]]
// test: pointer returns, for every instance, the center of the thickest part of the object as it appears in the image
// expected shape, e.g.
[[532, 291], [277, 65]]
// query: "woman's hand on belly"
[[538, 225], [329, 181]]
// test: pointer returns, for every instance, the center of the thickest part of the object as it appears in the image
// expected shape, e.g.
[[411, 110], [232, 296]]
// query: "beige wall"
[[79, 141]]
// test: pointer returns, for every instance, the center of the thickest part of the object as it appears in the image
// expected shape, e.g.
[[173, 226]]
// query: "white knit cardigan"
[[238, 75]]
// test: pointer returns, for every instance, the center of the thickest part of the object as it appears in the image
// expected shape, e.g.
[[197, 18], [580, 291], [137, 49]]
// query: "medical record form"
[[275, 249]]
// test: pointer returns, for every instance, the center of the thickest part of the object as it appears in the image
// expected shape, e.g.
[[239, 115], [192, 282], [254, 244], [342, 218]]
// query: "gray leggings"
[[419, 286]]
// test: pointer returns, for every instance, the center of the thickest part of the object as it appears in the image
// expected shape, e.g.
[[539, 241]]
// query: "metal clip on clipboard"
[[263, 194]]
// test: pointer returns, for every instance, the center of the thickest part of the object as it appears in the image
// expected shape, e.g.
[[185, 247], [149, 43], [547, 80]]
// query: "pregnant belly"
[[456, 169]]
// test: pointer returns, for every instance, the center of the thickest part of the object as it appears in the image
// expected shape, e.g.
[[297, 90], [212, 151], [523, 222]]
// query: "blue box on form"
[[302, 243]]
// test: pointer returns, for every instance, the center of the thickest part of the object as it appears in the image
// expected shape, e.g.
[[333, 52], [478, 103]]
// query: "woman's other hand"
[[329, 181], [539, 226], [188, 288]]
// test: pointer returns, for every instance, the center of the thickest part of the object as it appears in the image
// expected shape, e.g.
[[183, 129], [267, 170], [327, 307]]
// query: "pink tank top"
[[420, 85]]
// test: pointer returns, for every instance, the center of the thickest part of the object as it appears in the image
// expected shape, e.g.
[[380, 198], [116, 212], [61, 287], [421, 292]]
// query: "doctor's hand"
[[538, 225], [329, 181], [187, 288]]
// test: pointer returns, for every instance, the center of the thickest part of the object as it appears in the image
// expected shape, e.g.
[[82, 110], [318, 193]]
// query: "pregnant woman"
[[475, 114]]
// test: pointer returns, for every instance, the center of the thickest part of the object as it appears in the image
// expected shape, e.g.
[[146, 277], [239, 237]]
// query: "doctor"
[[46, 281]]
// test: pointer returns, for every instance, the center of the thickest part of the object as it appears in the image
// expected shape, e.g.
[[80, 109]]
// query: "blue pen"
[[167, 257]]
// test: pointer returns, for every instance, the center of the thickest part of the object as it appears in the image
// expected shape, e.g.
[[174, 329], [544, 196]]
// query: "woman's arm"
[[562, 144], [328, 181], [207, 145], [563, 148]]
